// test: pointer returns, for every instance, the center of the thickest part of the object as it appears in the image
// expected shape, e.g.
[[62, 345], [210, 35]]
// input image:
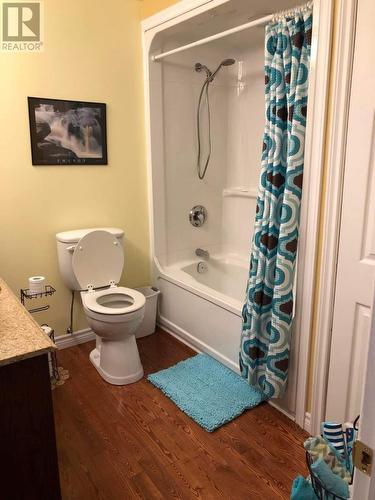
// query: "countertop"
[[20, 335]]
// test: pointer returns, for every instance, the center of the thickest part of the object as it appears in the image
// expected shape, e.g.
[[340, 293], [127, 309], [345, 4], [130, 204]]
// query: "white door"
[[364, 486], [356, 259]]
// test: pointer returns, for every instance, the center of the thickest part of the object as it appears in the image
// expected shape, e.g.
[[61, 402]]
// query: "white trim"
[[167, 326], [310, 211], [310, 207], [146, 43], [307, 424], [272, 402], [332, 212], [73, 339]]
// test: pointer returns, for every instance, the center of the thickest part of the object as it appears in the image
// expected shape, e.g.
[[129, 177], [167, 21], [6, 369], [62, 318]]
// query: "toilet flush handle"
[[71, 248]]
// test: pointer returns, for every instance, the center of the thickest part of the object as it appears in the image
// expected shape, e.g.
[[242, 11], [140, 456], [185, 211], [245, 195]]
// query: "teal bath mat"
[[206, 390]]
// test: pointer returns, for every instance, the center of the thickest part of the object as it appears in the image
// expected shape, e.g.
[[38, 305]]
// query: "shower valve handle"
[[198, 216]]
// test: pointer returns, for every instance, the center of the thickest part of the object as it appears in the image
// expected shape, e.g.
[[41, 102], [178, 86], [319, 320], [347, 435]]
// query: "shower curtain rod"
[[237, 29]]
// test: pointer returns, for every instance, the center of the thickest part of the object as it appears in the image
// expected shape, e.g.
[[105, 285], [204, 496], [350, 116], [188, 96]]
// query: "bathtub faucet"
[[199, 252]]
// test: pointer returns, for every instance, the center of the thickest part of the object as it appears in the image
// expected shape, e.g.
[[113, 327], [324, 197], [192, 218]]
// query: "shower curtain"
[[268, 311]]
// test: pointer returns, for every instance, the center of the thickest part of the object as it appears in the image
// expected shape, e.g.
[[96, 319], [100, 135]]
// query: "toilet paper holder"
[[25, 293]]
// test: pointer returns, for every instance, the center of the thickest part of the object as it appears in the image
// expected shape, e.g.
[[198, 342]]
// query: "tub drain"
[[202, 267]]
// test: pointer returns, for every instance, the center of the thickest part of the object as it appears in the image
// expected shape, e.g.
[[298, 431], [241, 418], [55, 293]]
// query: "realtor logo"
[[22, 26]]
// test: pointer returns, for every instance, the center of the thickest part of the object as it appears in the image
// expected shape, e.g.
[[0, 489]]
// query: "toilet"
[[91, 261]]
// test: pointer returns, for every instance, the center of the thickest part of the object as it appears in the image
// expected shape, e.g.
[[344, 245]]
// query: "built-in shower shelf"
[[240, 192]]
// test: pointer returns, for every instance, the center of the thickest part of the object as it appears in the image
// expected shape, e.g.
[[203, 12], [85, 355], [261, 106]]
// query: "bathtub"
[[204, 309]]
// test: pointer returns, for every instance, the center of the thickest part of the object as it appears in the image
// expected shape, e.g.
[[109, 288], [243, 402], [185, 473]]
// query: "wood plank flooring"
[[133, 442]]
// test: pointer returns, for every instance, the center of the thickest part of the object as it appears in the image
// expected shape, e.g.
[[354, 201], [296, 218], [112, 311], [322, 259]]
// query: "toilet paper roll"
[[36, 284]]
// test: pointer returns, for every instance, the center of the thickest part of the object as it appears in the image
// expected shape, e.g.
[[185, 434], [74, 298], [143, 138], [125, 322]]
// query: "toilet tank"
[[66, 242]]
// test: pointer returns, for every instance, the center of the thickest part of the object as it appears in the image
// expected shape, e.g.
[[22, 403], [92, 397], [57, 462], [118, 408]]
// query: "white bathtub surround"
[[204, 309]]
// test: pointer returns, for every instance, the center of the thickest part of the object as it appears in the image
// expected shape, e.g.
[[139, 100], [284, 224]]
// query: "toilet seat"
[[110, 300]]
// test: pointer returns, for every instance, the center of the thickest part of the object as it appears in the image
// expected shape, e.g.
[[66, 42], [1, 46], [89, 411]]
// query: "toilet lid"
[[98, 260]]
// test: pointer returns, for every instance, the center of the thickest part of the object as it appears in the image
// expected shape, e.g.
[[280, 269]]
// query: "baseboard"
[[307, 423], [76, 338], [281, 410], [162, 323]]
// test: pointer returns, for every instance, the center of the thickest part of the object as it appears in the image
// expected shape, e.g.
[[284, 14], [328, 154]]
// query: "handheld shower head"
[[209, 74], [227, 62]]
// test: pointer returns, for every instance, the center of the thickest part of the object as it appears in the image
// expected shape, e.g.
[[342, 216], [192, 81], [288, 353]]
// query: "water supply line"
[[70, 327]]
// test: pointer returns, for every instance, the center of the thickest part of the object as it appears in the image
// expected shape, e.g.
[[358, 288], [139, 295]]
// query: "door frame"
[[313, 173], [332, 206]]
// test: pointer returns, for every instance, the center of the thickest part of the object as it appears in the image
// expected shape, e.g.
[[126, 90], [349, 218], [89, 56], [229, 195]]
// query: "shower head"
[[227, 62], [209, 74]]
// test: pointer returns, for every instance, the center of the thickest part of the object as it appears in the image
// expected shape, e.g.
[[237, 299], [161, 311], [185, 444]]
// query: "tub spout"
[[199, 252]]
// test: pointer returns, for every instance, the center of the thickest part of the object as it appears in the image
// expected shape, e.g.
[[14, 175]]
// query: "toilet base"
[[128, 378]]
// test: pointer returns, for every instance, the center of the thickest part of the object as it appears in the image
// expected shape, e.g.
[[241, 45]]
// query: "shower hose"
[[204, 92]]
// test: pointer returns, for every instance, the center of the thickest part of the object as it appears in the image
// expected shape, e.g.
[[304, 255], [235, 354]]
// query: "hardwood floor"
[[133, 442]]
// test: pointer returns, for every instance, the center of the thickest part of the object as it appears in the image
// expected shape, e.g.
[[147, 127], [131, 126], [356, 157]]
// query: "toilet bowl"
[[114, 315], [113, 312]]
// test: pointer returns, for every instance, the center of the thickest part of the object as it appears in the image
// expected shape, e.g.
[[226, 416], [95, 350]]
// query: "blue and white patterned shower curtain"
[[268, 311]]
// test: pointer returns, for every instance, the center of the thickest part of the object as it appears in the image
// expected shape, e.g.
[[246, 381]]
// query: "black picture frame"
[[64, 132]]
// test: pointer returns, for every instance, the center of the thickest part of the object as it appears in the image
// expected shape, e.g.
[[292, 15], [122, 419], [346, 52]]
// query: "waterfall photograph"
[[67, 132]]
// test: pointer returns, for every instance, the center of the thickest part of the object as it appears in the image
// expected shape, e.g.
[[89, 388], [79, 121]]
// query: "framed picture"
[[67, 132]]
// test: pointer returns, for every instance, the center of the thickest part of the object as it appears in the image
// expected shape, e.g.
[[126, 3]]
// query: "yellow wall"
[[150, 7], [92, 53]]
